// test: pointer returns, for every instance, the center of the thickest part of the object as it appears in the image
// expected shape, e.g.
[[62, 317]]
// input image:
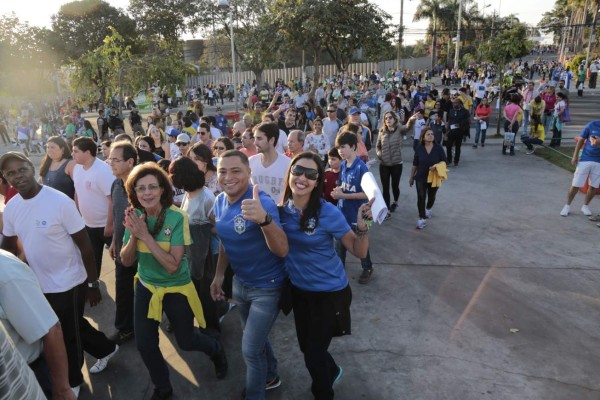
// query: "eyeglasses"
[[149, 188], [181, 144], [202, 132], [310, 173], [113, 160]]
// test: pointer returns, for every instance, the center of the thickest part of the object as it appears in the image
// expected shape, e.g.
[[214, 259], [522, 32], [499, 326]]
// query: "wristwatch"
[[94, 285], [268, 220]]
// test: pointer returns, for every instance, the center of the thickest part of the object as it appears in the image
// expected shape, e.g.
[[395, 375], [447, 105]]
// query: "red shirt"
[[330, 183], [483, 112], [10, 193]]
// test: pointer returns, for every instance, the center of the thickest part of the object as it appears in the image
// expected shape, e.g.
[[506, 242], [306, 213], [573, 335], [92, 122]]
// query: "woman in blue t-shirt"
[[321, 294]]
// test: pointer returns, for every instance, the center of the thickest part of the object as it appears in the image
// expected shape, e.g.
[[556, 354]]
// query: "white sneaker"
[[421, 224], [428, 213], [76, 390], [586, 210], [103, 362], [565, 211]]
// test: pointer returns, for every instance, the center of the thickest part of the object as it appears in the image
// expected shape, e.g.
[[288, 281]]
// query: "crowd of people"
[[185, 198]]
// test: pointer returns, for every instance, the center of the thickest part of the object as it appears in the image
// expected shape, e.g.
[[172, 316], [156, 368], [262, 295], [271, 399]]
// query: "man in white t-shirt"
[[480, 90], [331, 125], [93, 180], [59, 252], [268, 166]]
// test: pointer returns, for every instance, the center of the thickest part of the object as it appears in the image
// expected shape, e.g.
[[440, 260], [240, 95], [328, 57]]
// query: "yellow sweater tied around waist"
[[437, 175], [158, 293]]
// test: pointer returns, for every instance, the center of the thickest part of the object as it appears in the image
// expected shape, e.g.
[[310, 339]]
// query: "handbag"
[[565, 116], [508, 138]]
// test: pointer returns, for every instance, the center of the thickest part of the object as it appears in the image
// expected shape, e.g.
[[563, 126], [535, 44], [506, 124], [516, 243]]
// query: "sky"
[[38, 12]]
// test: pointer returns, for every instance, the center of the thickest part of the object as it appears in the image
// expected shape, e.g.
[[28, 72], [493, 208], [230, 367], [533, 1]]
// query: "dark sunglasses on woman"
[[310, 173]]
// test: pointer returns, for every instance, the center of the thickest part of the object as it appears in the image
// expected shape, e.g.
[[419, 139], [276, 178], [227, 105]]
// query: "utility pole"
[[457, 49], [400, 31], [592, 37]]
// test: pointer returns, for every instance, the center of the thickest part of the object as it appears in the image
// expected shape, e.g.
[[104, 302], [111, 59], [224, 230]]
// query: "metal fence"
[[272, 75]]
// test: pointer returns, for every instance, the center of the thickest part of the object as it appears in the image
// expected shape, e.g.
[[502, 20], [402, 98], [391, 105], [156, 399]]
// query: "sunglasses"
[[180, 144], [219, 148], [330, 110], [310, 173]]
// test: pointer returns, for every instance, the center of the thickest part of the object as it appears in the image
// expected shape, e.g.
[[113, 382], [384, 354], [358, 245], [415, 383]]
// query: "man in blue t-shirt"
[[247, 224], [350, 195], [588, 166], [221, 122]]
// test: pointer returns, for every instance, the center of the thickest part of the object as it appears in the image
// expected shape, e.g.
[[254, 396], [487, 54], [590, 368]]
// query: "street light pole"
[[457, 49]]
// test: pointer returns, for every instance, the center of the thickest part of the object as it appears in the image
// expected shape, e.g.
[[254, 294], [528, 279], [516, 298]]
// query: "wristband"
[[94, 285]]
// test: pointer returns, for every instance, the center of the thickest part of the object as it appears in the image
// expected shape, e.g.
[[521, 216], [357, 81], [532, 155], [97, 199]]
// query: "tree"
[[315, 25], [163, 18], [81, 26], [28, 62], [503, 47], [432, 10]]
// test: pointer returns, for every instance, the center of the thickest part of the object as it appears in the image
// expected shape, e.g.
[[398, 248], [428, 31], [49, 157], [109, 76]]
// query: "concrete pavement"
[[435, 322]]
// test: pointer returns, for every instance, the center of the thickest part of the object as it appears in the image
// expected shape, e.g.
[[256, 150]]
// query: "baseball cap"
[[173, 132], [182, 138], [11, 155], [354, 110]]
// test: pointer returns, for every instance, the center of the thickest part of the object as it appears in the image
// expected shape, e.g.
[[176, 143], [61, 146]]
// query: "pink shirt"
[[510, 110]]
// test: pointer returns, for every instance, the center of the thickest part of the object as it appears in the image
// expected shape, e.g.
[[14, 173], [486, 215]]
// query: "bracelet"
[[360, 233], [94, 285]]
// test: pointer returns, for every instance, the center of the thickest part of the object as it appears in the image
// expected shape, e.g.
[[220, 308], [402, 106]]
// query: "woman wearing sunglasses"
[[321, 294]]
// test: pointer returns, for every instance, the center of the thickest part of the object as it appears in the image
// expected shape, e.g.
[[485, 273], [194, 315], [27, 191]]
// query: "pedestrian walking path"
[[496, 298]]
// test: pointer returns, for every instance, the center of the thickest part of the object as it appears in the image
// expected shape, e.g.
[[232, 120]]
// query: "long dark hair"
[[314, 203], [66, 153]]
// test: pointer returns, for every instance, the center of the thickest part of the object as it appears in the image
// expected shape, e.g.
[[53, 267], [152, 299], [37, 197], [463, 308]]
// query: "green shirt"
[[70, 131], [175, 232]]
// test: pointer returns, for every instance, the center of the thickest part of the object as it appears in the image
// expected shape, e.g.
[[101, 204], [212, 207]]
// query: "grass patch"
[[555, 157]]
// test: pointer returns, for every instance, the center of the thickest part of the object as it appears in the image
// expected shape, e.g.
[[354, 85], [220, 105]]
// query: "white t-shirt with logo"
[[480, 89], [92, 187], [44, 224], [419, 125], [271, 179]]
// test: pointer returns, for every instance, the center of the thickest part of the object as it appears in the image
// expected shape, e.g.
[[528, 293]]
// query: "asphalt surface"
[[497, 298]]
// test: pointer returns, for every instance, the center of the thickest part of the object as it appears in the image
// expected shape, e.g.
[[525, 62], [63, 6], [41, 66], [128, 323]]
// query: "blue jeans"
[[479, 131], [258, 308], [188, 338]]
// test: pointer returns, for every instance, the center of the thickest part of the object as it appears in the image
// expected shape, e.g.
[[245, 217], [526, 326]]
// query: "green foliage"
[[27, 59], [577, 61], [163, 18], [81, 26], [506, 45]]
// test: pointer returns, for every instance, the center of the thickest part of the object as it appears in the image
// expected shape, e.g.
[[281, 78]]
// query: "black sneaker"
[[220, 361], [122, 336], [273, 383], [161, 395], [394, 206], [365, 276], [388, 216]]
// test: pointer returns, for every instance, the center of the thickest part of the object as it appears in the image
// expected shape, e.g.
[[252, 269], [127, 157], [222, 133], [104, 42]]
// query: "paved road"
[[436, 320]]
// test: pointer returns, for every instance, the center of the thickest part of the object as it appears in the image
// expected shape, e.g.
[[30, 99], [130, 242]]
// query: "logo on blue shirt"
[[239, 224]]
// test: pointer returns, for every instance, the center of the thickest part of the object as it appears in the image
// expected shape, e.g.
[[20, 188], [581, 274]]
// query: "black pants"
[[393, 173], [98, 241], [124, 294], [454, 140], [425, 193], [209, 306], [556, 135], [593, 79], [315, 318], [78, 334]]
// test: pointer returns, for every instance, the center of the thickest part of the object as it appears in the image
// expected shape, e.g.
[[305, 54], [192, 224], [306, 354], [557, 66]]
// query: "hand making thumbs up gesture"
[[252, 209]]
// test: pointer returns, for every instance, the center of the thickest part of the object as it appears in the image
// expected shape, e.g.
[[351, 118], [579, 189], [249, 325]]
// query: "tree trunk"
[[258, 73], [317, 72], [433, 46]]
